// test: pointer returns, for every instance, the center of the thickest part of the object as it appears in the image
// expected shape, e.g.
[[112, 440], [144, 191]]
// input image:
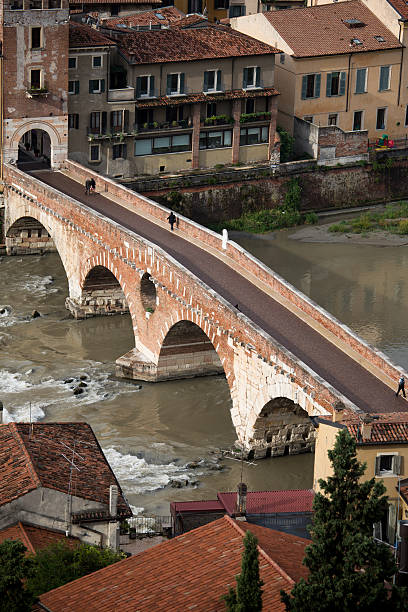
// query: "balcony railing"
[[127, 94], [217, 120], [33, 92], [249, 117], [183, 124]]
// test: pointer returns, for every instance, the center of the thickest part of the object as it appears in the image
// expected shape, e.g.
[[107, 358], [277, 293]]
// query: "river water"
[[151, 435]]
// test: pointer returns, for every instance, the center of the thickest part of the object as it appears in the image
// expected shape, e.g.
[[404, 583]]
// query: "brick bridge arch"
[[57, 133], [257, 368]]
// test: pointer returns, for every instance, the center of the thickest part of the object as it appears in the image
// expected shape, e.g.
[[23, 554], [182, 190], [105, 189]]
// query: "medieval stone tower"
[[34, 80]]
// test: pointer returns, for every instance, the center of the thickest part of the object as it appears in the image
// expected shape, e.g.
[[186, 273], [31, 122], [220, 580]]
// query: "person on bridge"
[[88, 185], [93, 186], [401, 386], [172, 219]]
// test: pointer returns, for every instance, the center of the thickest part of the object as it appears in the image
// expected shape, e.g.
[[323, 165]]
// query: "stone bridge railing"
[[234, 255]]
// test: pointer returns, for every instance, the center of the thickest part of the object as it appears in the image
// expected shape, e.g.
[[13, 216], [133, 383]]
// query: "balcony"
[[36, 92], [127, 94], [183, 124], [250, 117], [217, 120]]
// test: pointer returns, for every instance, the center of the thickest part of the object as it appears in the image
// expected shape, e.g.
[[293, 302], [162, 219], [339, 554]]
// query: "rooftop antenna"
[[72, 466]]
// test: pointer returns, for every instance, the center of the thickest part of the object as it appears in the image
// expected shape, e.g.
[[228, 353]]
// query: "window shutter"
[[168, 90], [151, 90], [377, 465], [384, 76], [76, 87], [218, 86], [102, 85], [126, 121], [258, 77], [304, 87], [124, 151], [342, 89], [245, 78], [360, 80], [76, 120], [90, 86], [182, 82], [104, 122], [111, 121], [138, 80], [317, 85], [377, 531], [205, 86], [328, 84], [396, 468]]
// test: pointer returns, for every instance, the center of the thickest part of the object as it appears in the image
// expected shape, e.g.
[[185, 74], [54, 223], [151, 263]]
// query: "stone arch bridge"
[[199, 305]]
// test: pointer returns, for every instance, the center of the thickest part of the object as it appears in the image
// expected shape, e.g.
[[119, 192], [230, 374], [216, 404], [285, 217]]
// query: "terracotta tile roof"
[[81, 35], [213, 505], [31, 460], [268, 502], [201, 97], [177, 45], [320, 30], [400, 6], [287, 550], [197, 567], [382, 432], [170, 14], [191, 20], [35, 538], [105, 2]]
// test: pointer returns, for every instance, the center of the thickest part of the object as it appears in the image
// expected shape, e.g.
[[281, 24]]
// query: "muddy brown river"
[[152, 435]]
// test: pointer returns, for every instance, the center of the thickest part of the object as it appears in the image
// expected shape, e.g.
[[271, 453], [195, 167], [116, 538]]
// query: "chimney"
[[113, 500], [366, 427], [337, 416], [1, 413], [241, 499], [402, 576]]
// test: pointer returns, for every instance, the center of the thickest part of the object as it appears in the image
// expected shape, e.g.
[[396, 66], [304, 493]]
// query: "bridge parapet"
[[259, 273]]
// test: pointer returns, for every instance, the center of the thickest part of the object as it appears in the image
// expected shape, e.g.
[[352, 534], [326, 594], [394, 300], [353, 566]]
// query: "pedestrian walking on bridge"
[[88, 186], [401, 386], [172, 219]]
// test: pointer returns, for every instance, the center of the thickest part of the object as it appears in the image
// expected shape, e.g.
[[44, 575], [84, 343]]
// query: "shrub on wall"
[[286, 145]]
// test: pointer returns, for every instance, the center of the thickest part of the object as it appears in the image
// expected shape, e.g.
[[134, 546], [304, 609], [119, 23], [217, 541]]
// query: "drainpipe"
[[401, 22], [348, 82]]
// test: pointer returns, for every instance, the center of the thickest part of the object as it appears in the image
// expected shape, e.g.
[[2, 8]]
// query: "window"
[[282, 58], [250, 105], [251, 77], [35, 4], [311, 86], [215, 140], [308, 118], [73, 87], [388, 465], [381, 118], [54, 4], [237, 10], [221, 4], [175, 84], [95, 153], [73, 121], [35, 79], [96, 86], [358, 120], [251, 136], [16, 5], [361, 80], [95, 123], [212, 109], [406, 116], [119, 151], [36, 38], [97, 61], [163, 144], [336, 84], [212, 80], [174, 113], [385, 74], [333, 119], [72, 62], [145, 86], [116, 121], [195, 6]]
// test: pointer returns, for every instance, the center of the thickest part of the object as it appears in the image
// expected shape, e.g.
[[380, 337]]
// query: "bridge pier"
[[28, 237]]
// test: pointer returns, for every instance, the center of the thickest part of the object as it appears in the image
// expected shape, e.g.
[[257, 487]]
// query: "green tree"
[[15, 567], [248, 595], [347, 568], [59, 563]]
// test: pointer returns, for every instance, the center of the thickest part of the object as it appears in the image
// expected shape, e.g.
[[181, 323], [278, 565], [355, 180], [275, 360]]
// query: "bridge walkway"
[[359, 385]]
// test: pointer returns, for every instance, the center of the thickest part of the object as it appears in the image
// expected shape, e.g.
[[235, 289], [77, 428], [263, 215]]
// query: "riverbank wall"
[[229, 193]]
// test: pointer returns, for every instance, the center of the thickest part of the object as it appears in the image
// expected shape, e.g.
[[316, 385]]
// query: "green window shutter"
[[76, 87], [397, 464], [245, 78], [384, 77], [102, 85], [104, 122], [111, 121], [205, 86], [361, 80], [258, 77], [124, 151], [377, 465], [90, 86], [151, 91], [168, 89], [317, 85], [328, 84], [342, 89], [218, 86], [304, 87], [138, 87], [126, 121], [182, 79]]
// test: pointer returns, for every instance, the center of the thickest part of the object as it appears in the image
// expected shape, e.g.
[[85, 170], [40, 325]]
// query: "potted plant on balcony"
[[174, 124], [155, 125]]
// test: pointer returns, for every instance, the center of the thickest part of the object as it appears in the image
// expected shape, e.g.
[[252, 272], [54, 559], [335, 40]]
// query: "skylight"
[[379, 38], [356, 41], [159, 16], [353, 23]]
